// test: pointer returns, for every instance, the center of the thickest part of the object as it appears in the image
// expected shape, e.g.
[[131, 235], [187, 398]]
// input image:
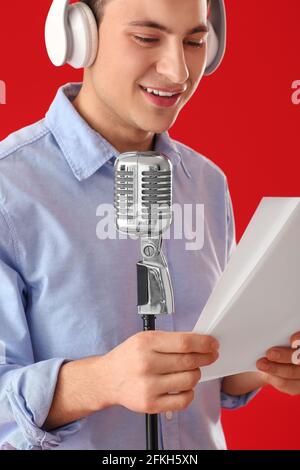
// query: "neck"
[[103, 121]]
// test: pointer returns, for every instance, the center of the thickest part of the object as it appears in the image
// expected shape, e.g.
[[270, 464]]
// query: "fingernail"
[[215, 344], [264, 366]]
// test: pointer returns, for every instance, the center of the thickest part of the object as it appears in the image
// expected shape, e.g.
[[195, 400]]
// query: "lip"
[[160, 101]]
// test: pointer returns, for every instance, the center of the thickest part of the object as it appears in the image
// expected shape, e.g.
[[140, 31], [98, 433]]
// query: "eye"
[[147, 40], [152, 40], [196, 44]]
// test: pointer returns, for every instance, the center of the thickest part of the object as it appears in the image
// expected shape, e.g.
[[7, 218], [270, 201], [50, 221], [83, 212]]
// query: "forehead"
[[187, 12]]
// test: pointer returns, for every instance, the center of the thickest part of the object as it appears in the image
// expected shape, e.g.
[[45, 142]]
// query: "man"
[[76, 373]]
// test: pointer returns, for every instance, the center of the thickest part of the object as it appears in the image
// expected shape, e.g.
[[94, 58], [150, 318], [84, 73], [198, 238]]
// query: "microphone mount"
[[155, 295]]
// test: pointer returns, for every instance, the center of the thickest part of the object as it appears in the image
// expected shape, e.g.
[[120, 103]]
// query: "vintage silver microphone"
[[143, 205]]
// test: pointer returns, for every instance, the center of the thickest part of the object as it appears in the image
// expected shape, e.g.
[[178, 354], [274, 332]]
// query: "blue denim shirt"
[[66, 294]]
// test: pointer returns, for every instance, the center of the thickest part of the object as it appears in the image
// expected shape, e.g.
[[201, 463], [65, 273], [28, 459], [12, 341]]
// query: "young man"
[[76, 373]]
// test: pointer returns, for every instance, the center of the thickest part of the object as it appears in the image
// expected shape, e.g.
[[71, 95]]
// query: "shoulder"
[[23, 139], [23, 159], [197, 163]]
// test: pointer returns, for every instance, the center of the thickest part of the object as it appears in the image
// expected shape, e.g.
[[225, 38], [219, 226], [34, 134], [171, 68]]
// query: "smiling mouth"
[[161, 102], [160, 96]]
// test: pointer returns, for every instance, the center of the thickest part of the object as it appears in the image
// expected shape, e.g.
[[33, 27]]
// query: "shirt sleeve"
[[229, 401], [233, 402], [26, 387]]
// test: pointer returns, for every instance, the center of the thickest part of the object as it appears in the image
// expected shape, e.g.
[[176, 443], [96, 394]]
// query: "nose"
[[172, 64]]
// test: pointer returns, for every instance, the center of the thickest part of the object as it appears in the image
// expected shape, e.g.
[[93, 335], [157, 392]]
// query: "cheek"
[[135, 62], [123, 66], [196, 74], [197, 64]]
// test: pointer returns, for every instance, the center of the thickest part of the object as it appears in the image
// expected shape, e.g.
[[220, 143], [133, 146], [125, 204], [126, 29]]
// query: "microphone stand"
[[155, 297], [151, 420]]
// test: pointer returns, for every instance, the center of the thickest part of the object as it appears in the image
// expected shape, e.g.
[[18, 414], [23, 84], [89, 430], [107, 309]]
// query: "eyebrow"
[[201, 28]]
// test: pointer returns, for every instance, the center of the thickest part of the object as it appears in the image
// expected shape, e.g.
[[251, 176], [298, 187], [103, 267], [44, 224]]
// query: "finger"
[[292, 387], [174, 342], [295, 337], [176, 402], [168, 363], [171, 402], [179, 382], [280, 354], [285, 371]]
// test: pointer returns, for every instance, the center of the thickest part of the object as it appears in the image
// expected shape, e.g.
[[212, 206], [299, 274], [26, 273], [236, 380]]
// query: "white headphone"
[[71, 35]]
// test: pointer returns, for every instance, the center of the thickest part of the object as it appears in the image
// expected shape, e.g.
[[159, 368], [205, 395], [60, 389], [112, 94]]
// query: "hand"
[[154, 371], [279, 367]]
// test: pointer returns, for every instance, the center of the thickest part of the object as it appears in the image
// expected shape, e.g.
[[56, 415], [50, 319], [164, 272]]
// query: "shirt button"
[[169, 415]]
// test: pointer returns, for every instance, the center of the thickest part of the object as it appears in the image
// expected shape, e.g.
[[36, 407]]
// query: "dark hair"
[[97, 7]]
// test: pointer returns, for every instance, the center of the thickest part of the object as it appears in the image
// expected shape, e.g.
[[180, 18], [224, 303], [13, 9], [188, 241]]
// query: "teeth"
[[159, 93]]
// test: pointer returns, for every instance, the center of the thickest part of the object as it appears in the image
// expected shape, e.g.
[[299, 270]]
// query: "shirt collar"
[[85, 149]]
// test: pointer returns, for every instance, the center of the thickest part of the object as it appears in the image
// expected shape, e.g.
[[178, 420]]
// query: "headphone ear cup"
[[57, 34], [83, 36], [217, 36], [212, 45]]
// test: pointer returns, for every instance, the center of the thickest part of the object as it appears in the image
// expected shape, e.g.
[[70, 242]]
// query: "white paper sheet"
[[256, 303]]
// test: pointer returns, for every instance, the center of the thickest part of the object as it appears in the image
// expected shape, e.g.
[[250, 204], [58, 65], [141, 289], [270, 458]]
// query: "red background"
[[242, 118]]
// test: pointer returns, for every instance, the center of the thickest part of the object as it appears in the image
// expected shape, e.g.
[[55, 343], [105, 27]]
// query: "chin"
[[156, 127]]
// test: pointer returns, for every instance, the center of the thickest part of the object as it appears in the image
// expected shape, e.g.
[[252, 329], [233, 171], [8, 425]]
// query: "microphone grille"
[[143, 193], [156, 197], [124, 193]]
